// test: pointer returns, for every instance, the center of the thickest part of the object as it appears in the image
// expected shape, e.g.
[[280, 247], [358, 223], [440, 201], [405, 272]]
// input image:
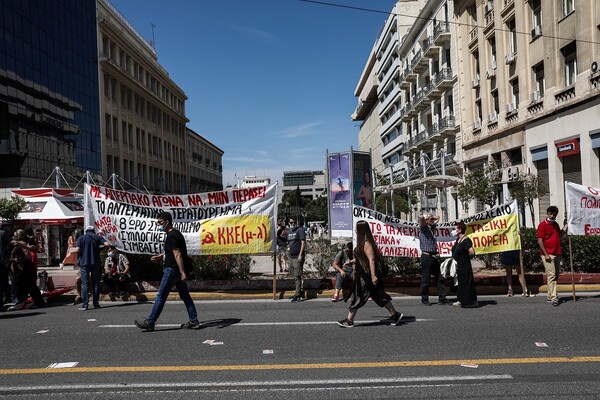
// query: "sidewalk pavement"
[[263, 266]]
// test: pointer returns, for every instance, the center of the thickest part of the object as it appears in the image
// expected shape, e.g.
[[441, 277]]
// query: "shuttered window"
[[572, 168], [544, 186]]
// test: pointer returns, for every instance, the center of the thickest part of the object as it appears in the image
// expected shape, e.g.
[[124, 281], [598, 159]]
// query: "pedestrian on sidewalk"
[[548, 236], [90, 265], [430, 262], [368, 281], [462, 252], [296, 239], [343, 264], [174, 256]]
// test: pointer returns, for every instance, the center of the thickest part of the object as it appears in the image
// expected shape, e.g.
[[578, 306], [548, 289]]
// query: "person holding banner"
[[430, 263], [462, 252], [548, 236], [368, 281], [173, 275]]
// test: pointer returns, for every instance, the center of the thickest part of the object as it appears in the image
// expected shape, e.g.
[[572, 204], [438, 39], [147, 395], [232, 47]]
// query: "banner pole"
[[572, 273], [274, 275]]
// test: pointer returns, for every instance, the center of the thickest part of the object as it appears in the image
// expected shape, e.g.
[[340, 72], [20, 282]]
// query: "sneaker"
[[457, 304], [144, 324], [82, 308], [425, 302], [335, 299], [396, 318], [556, 303], [191, 325], [17, 307], [96, 306], [346, 323], [296, 299]]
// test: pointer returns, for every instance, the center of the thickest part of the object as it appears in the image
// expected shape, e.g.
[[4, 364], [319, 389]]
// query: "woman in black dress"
[[367, 279], [462, 252]]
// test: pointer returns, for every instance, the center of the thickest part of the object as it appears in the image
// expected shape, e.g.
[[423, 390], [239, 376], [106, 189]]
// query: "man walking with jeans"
[[88, 248], [549, 234], [173, 274], [430, 263], [296, 241]]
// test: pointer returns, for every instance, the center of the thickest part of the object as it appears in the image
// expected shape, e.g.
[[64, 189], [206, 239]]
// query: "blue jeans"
[[95, 272], [171, 276]]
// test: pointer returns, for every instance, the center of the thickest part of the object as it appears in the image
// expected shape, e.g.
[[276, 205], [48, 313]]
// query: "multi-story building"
[[417, 107], [49, 111], [143, 110], [311, 183], [204, 164], [80, 89], [530, 93], [251, 181]]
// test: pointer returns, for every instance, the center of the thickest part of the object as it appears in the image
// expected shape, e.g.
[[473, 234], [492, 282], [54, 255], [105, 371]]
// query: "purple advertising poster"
[[363, 187], [340, 203]]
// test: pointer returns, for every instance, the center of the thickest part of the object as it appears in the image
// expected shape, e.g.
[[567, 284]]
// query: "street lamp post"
[[392, 188]]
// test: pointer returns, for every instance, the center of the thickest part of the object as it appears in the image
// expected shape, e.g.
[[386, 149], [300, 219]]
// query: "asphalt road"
[[265, 349]]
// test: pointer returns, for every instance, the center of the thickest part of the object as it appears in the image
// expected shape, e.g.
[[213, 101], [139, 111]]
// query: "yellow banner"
[[495, 235], [236, 235]]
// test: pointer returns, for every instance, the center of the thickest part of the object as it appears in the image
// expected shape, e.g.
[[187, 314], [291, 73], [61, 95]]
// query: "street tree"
[[480, 184], [10, 208], [526, 189]]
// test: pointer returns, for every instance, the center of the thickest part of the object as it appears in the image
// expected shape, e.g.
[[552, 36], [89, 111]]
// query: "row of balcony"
[[445, 125], [424, 170], [441, 81], [420, 61]]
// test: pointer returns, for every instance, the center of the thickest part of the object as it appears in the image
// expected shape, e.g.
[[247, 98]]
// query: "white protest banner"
[[233, 221], [491, 231], [583, 209]]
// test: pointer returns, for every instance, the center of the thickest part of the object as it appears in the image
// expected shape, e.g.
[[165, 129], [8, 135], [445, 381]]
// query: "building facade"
[[529, 86], [143, 120], [311, 183], [204, 164], [417, 106], [476, 82], [49, 103]]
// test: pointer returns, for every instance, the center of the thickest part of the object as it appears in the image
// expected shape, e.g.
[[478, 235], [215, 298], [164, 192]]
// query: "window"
[[568, 7], [536, 8], [512, 36], [514, 93], [569, 53], [538, 76]]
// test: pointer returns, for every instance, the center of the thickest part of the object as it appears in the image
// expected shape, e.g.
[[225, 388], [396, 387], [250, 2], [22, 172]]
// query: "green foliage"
[[222, 267], [400, 203], [526, 189], [293, 204], [322, 254], [10, 208], [403, 266], [480, 184]]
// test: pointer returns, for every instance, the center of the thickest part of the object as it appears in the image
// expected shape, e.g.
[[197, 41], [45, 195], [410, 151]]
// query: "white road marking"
[[63, 365], [188, 385], [43, 331]]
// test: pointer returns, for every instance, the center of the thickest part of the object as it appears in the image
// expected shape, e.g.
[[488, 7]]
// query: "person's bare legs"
[[508, 269]]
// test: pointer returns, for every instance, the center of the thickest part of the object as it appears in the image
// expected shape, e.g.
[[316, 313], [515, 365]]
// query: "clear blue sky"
[[270, 82]]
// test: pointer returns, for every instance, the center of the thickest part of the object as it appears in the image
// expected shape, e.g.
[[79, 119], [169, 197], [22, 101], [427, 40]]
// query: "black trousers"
[[430, 265], [27, 285]]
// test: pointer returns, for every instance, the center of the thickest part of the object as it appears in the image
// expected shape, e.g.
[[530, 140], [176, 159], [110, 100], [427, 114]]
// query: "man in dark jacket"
[[88, 250]]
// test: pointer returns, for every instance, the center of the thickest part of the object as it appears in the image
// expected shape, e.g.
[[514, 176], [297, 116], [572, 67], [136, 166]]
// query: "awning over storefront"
[[50, 206]]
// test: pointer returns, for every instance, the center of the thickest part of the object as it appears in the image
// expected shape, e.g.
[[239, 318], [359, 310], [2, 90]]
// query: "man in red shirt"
[[548, 235]]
